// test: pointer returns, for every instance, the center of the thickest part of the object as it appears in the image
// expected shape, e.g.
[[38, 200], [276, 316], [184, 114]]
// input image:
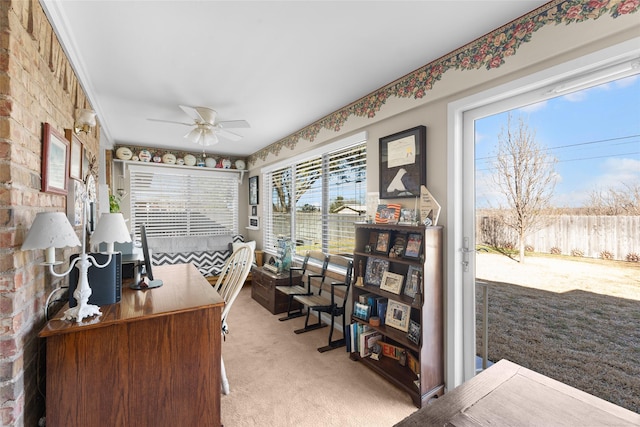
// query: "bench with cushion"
[[329, 296], [207, 253]]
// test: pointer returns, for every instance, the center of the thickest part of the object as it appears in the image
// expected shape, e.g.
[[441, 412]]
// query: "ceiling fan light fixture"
[[194, 135], [209, 137]]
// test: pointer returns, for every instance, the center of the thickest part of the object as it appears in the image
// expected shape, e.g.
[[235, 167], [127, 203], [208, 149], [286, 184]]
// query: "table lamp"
[[51, 230]]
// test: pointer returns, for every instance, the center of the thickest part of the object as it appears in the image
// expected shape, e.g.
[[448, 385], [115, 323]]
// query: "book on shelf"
[[367, 340], [381, 308]]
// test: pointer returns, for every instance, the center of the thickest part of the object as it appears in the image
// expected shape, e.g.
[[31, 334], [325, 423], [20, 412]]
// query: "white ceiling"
[[280, 65]]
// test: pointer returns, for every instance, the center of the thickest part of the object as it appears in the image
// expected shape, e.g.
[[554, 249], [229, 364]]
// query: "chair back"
[[233, 275], [341, 272]]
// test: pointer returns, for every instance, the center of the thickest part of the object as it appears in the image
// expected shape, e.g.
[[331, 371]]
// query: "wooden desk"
[[507, 394], [153, 359]]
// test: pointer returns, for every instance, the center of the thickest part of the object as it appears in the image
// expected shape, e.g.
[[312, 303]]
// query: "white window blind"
[[277, 200], [175, 202], [328, 196], [346, 193]]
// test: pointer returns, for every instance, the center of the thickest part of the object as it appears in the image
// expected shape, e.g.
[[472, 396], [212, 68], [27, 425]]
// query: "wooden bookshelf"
[[426, 311]]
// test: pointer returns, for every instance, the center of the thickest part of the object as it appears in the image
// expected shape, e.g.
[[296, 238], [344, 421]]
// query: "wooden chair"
[[313, 269], [323, 303], [232, 277]]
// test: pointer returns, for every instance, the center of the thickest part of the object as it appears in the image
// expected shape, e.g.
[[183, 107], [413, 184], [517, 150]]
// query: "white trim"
[[460, 300], [341, 143]]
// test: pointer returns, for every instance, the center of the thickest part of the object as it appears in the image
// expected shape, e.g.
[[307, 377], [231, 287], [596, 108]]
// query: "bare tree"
[[525, 175], [615, 202]]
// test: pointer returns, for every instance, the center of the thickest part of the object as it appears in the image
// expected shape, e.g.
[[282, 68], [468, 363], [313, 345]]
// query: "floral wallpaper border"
[[489, 51]]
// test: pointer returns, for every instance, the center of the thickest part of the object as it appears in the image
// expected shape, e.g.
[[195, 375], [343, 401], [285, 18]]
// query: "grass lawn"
[[572, 319]]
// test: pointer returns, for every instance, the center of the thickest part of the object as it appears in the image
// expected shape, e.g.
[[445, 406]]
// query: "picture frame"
[[398, 315], [413, 333], [388, 214], [253, 190], [361, 311], [413, 282], [403, 163], [383, 242], [414, 246], [254, 211], [390, 350], [75, 155], [376, 268], [55, 161], [392, 282], [254, 223], [412, 363]]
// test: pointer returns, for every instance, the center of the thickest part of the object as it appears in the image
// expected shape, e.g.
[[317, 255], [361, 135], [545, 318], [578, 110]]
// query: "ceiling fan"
[[205, 127]]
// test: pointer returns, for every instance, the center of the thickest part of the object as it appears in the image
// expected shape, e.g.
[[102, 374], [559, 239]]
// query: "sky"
[[594, 134]]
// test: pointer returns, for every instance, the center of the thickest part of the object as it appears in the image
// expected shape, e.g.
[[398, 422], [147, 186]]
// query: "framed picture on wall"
[[55, 158], [75, 156], [403, 163], [253, 190]]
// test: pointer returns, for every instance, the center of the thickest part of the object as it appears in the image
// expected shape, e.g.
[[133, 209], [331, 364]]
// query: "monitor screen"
[[149, 281]]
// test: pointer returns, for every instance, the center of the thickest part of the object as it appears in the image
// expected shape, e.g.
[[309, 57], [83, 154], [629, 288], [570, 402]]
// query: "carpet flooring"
[[278, 378]]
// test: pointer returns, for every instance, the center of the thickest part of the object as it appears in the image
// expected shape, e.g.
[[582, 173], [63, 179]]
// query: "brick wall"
[[37, 85]]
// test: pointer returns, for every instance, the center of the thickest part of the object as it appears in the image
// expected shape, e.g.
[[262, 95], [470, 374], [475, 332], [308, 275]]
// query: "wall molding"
[[489, 51]]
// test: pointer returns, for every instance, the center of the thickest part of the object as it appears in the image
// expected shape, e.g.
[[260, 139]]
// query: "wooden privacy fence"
[[591, 235]]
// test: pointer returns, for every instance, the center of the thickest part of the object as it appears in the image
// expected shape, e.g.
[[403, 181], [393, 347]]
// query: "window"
[[187, 202], [317, 199]]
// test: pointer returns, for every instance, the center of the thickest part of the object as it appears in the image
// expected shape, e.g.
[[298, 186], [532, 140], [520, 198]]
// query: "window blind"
[[324, 195], [277, 200], [175, 202]]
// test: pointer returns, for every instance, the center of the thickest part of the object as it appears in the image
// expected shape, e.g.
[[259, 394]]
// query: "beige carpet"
[[278, 378]]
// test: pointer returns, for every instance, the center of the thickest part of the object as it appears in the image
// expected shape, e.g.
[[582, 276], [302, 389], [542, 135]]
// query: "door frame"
[[460, 341]]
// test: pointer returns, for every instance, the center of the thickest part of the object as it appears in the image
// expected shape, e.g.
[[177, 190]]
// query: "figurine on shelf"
[[359, 281]]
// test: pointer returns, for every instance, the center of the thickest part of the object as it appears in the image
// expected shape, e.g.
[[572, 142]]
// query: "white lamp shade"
[[111, 228], [194, 135], [209, 138], [85, 117], [50, 230]]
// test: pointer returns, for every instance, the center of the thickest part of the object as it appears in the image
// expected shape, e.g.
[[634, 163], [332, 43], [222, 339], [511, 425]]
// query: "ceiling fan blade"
[[228, 135], [208, 115], [170, 121], [191, 112], [200, 114], [234, 124]]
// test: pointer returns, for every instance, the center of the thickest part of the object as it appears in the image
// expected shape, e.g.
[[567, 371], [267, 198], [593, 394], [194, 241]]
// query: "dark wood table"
[[507, 394], [153, 359]]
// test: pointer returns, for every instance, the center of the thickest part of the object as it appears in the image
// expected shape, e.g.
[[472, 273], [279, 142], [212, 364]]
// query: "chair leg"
[[223, 377], [337, 343], [313, 327], [291, 315]]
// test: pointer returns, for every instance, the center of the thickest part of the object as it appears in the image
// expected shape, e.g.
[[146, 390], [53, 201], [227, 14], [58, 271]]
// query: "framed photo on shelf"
[[412, 363], [413, 334], [253, 190], [55, 157], [75, 155], [398, 315], [403, 163], [388, 214], [392, 282], [361, 311], [375, 270], [414, 246], [413, 281], [382, 242], [390, 350]]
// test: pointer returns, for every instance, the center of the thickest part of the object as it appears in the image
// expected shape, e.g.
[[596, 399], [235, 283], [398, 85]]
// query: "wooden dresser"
[[263, 289], [153, 359]]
